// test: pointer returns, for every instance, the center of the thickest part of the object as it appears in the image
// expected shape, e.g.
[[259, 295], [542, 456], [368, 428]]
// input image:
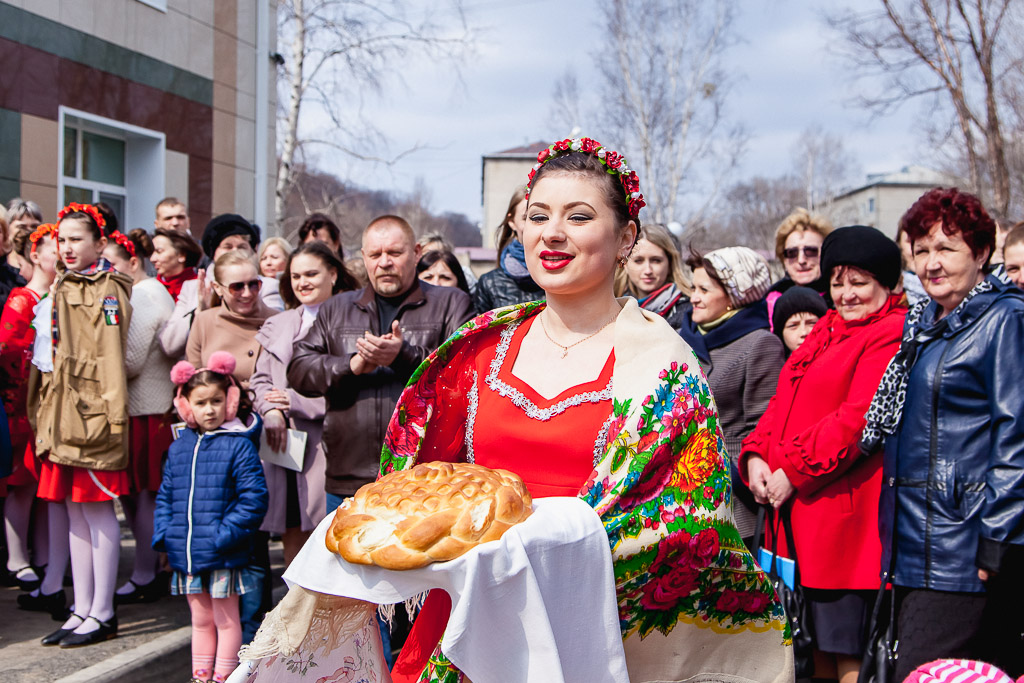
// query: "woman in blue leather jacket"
[[946, 411]]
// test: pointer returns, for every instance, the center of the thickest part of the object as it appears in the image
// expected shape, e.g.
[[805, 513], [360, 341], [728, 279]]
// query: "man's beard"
[[389, 287]]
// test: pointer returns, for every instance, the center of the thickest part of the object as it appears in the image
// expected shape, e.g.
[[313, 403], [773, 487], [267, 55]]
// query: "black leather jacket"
[[496, 289], [359, 407], [954, 471]]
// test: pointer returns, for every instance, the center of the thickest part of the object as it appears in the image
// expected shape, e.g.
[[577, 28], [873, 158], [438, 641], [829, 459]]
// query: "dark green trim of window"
[[10, 153]]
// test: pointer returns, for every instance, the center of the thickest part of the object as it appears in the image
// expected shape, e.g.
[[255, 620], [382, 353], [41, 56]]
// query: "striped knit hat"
[[957, 671]]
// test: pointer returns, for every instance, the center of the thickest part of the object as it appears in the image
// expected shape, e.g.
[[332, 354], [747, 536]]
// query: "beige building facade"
[[129, 101], [885, 197], [504, 172]]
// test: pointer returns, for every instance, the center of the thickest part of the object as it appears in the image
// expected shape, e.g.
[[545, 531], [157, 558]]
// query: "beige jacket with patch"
[[86, 402]]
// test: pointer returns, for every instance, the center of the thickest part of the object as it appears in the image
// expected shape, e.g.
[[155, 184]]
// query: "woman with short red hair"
[[948, 413]]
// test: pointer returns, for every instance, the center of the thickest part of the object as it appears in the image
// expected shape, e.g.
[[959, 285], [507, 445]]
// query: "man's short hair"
[[168, 201], [389, 221]]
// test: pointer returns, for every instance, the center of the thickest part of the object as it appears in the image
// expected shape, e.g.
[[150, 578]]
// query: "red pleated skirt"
[[57, 482], [150, 438]]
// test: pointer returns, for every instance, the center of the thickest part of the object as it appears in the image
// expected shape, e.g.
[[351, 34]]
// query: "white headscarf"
[[744, 273]]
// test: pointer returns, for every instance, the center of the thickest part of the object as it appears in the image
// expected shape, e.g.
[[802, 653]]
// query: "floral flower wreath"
[[124, 242], [41, 231], [89, 209], [614, 163]]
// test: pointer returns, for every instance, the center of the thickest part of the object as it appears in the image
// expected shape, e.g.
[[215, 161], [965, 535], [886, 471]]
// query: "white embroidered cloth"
[[537, 605]]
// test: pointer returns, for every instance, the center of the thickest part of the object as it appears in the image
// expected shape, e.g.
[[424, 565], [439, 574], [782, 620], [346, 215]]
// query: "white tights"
[[139, 509], [17, 515], [57, 548], [95, 542]]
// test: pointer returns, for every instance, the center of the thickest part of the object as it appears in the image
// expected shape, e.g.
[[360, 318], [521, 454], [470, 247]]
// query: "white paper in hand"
[[294, 452]]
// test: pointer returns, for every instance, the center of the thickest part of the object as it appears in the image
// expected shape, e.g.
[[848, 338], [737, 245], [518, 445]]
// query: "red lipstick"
[[554, 260]]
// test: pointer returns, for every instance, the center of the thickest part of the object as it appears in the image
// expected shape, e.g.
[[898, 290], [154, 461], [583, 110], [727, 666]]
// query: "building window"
[[93, 167], [113, 162], [871, 205], [156, 4]]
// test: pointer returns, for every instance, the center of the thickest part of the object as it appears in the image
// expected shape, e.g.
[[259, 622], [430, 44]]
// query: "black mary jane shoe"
[[60, 634], [54, 603], [106, 631], [150, 592], [27, 585]]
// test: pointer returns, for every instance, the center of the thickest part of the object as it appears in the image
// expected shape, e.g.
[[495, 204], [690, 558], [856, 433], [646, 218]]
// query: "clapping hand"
[[205, 291], [383, 350]]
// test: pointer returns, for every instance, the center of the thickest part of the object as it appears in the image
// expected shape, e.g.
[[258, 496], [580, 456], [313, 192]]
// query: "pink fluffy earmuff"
[[221, 362]]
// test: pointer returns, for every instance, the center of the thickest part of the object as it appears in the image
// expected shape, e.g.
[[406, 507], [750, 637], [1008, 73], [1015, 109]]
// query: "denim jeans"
[[333, 501], [252, 606]]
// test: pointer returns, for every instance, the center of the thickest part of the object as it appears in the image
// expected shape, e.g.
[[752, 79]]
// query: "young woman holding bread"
[[591, 396]]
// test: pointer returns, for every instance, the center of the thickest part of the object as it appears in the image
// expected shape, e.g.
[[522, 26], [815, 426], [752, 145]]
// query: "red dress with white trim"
[[523, 432], [16, 337]]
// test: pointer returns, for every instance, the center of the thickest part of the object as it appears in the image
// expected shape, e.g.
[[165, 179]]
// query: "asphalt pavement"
[[152, 643]]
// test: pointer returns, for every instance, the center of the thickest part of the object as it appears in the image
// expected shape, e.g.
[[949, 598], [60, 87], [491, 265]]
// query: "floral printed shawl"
[[692, 601]]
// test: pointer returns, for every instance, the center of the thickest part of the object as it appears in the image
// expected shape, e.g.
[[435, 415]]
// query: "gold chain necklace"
[[565, 349]]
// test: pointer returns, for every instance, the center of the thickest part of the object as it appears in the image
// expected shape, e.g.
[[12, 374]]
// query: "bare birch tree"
[[568, 105], [961, 53], [663, 92], [824, 165], [338, 52]]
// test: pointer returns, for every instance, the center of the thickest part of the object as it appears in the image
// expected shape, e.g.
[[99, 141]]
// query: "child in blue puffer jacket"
[[211, 502]]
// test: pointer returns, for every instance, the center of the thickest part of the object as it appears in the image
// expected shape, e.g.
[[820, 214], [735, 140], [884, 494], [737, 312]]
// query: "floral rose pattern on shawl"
[[662, 489]]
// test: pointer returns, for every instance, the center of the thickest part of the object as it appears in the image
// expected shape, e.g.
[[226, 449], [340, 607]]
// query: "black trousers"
[[942, 625]]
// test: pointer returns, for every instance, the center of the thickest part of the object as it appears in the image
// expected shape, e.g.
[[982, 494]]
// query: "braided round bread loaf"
[[434, 512]]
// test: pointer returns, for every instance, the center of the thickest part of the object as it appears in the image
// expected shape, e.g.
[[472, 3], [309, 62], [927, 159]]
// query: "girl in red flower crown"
[[16, 336], [83, 418]]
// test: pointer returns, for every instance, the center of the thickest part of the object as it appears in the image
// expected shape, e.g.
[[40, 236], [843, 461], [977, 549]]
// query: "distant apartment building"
[[885, 197], [503, 172], [128, 101]]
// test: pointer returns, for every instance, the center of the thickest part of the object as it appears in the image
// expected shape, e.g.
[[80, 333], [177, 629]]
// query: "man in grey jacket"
[[365, 345]]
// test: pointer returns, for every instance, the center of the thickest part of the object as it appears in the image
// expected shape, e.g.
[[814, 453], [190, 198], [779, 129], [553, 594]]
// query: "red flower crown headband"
[[89, 209], [123, 241], [41, 231], [613, 162]]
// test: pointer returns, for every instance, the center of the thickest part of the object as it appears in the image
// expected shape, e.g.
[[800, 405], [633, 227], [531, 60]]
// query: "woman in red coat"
[[804, 450]]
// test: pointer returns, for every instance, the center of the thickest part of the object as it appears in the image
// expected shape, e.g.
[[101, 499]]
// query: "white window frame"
[[78, 180], [141, 191]]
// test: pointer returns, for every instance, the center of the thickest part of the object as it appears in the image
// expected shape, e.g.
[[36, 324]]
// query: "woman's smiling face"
[[572, 239]]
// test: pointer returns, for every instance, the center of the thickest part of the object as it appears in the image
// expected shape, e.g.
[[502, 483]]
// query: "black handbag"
[[882, 648], [879, 662], [797, 610]]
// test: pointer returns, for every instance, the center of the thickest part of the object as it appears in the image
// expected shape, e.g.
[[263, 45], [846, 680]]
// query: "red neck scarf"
[[174, 283]]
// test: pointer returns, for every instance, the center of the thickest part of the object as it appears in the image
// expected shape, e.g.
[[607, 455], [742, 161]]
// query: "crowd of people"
[[867, 399]]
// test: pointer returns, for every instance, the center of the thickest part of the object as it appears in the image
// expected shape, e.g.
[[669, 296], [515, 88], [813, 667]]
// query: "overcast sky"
[[787, 80]]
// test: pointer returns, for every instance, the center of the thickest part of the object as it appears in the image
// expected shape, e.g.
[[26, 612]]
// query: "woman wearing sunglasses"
[[232, 325], [798, 246]]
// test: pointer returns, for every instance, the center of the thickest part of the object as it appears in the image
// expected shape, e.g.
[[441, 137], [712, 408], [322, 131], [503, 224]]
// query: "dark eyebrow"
[[571, 205], [540, 204]]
